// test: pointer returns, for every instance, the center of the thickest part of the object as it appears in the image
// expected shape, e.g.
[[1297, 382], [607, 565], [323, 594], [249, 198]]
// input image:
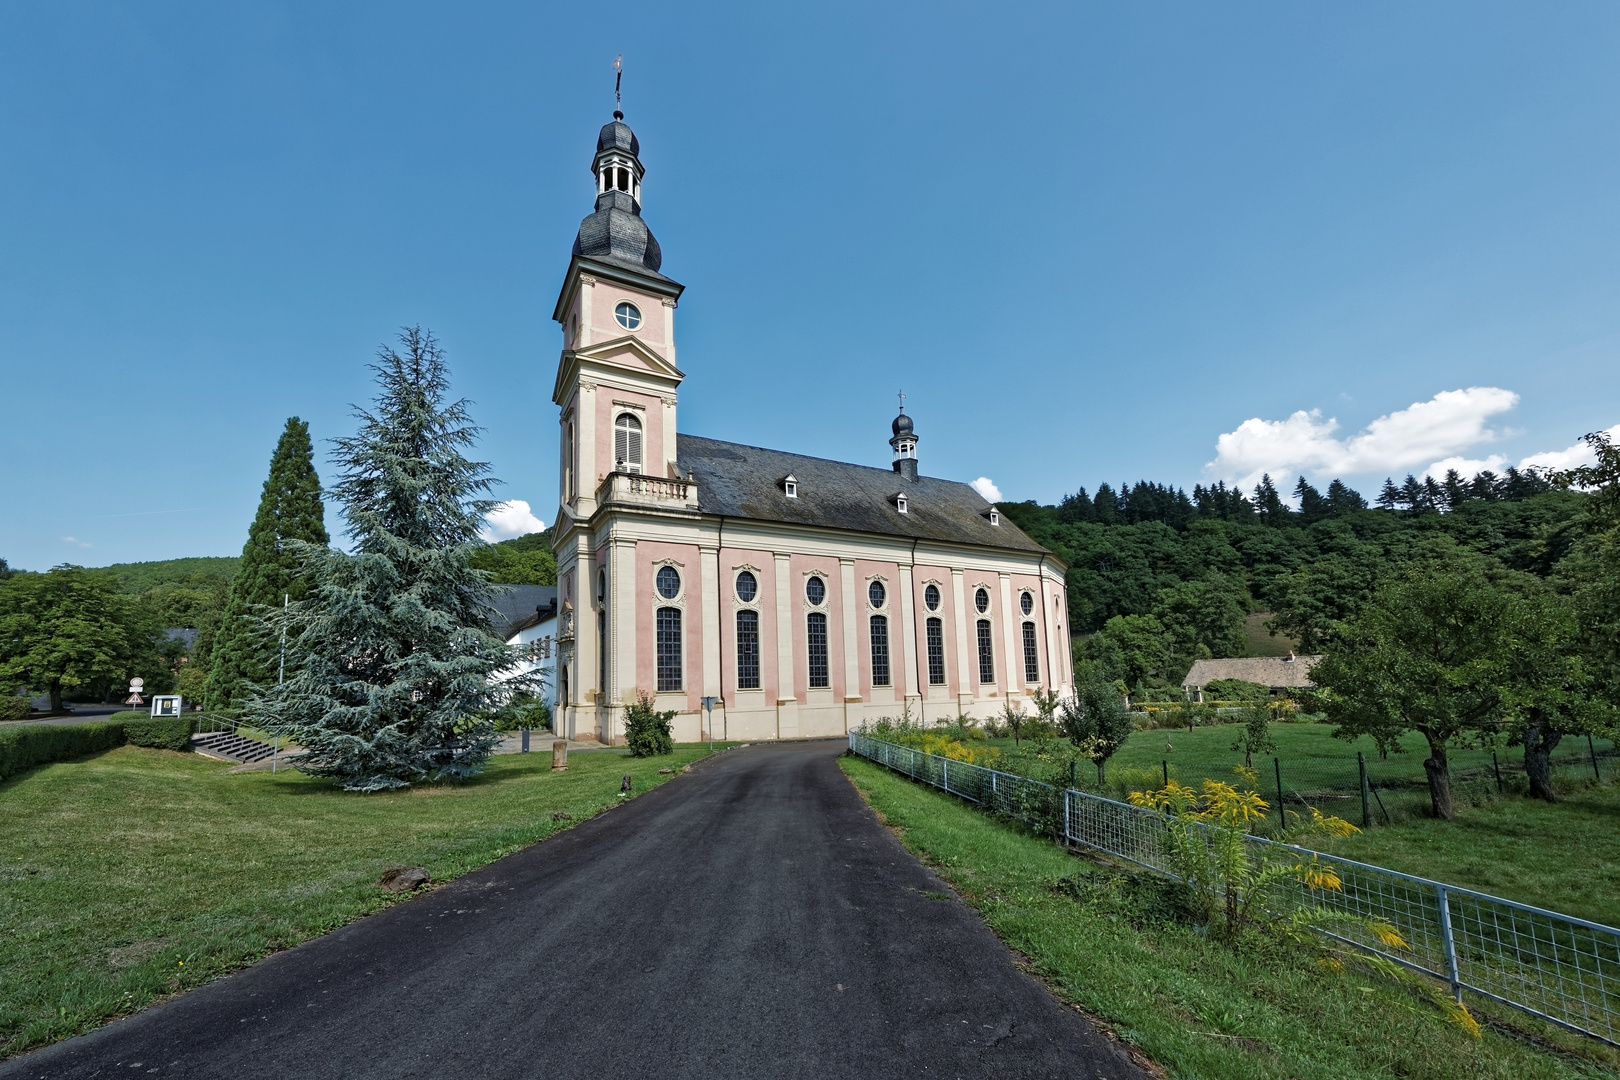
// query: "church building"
[[804, 595]]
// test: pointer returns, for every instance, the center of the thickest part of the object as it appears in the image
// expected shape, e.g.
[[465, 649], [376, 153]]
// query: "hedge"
[[14, 708], [39, 744], [22, 748], [159, 732]]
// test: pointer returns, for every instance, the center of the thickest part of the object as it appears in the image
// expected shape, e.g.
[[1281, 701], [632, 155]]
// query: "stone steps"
[[231, 747]]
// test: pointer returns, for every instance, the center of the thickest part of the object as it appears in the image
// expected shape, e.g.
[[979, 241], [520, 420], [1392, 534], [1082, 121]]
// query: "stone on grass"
[[400, 879]]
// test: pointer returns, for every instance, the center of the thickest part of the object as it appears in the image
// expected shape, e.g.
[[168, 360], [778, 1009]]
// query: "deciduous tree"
[[1429, 654], [69, 627]]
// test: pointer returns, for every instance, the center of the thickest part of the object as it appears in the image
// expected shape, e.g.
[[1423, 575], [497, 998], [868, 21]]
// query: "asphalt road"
[[749, 919]]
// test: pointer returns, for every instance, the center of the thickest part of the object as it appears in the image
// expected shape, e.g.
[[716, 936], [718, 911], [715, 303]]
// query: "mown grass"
[[1114, 943], [139, 873], [1564, 856]]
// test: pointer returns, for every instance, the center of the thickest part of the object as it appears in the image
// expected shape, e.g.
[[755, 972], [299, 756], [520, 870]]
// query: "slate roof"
[[1274, 671], [518, 607], [745, 482]]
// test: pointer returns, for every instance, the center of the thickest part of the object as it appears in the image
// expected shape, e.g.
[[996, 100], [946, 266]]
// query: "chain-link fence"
[[1563, 969]]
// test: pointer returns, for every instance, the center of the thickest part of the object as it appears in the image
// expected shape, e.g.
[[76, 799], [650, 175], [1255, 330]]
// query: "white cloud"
[[1579, 454], [1442, 427], [76, 542], [510, 520], [986, 487], [1466, 467]]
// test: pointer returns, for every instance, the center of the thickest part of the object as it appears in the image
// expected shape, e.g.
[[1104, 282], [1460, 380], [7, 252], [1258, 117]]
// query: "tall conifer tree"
[[398, 669], [290, 513]]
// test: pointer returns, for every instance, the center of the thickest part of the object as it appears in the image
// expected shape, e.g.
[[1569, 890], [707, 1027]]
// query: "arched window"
[[936, 651], [987, 653], [627, 443], [748, 650], [1032, 661], [815, 633], [880, 650], [668, 634]]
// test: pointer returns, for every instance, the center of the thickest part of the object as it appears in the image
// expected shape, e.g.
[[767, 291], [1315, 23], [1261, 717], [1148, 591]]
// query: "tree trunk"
[[56, 695], [1539, 742], [1438, 768]]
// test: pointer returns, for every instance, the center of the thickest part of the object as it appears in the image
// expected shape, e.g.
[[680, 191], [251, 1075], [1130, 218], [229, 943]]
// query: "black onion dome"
[[618, 136], [902, 425], [616, 234]]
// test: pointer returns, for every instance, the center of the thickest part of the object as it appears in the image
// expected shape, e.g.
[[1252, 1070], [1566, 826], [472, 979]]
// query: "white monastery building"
[[805, 595]]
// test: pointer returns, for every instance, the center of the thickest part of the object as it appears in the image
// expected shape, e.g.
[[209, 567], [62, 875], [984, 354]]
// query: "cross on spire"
[[902, 401], [618, 76]]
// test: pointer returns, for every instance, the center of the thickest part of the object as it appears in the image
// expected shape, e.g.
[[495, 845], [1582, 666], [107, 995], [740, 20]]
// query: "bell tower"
[[616, 379]]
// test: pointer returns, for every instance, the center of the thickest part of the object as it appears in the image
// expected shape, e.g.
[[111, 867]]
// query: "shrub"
[[159, 732], [646, 730], [39, 744], [127, 715], [14, 708], [1235, 690]]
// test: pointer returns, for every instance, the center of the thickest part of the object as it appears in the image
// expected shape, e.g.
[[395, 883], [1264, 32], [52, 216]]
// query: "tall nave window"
[[747, 650], [816, 639], [880, 650], [668, 635]]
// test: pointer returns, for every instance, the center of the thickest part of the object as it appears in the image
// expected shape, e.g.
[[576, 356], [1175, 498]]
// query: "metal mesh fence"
[[1563, 969]]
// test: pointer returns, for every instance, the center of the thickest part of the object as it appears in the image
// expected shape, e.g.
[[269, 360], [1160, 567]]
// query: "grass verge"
[[1115, 943], [139, 873]]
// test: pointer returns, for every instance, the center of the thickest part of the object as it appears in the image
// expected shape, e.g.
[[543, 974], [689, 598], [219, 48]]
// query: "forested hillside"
[[1158, 578]]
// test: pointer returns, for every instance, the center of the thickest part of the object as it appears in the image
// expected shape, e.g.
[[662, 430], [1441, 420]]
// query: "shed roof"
[[741, 481], [1277, 672]]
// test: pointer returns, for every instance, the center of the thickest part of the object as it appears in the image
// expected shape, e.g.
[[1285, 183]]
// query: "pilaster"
[[852, 669], [967, 667]]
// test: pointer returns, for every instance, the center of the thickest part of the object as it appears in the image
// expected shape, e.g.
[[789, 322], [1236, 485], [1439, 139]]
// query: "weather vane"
[[618, 76]]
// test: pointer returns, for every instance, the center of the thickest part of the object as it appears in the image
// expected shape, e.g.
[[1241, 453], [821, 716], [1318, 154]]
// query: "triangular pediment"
[[628, 354]]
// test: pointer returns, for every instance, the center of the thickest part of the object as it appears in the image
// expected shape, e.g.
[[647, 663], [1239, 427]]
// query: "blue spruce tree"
[[395, 661]]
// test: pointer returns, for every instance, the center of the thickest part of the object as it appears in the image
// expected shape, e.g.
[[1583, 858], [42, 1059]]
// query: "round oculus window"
[[747, 587], [815, 590], [1026, 603], [876, 593], [669, 582], [981, 600], [628, 314], [931, 597]]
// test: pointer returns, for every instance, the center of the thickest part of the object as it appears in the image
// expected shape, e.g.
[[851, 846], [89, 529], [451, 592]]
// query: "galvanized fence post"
[[1449, 944], [945, 771], [1592, 748]]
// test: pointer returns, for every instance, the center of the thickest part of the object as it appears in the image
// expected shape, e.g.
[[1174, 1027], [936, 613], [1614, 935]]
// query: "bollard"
[[525, 740], [559, 755]]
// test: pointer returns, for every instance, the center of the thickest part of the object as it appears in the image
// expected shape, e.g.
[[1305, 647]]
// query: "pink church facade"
[[805, 596]]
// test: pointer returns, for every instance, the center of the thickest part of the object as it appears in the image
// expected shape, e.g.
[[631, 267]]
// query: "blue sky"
[[1091, 241]]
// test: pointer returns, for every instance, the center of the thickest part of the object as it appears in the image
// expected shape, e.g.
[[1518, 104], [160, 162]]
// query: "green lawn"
[[138, 873], [1564, 856], [1111, 942]]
